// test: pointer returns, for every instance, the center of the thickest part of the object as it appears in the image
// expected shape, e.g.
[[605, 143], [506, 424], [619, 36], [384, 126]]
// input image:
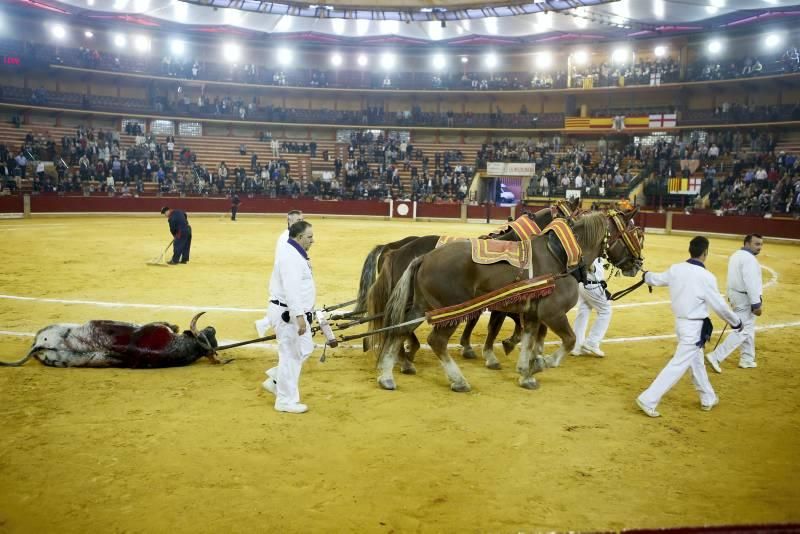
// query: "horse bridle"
[[631, 236]]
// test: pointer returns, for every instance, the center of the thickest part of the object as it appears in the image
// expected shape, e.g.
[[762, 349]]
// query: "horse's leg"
[[561, 327], [386, 360], [511, 342], [529, 361], [407, 358], [467, 351], [495, 322], [438, 339], [540, 335]]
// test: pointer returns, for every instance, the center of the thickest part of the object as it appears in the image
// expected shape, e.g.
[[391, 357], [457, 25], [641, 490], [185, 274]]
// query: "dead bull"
[[117, 344]]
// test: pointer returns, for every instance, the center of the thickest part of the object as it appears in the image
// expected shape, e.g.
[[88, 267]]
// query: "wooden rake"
[[159, 261]]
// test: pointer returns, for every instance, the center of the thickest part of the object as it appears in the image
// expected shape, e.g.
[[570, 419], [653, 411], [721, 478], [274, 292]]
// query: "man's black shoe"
[[172, 263]]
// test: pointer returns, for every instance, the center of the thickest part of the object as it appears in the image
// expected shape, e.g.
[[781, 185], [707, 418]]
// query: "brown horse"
[[395, 262], [447, 277], [371, 268]]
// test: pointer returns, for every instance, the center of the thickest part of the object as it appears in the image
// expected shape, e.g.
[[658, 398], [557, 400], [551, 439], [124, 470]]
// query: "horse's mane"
[[590, 230]]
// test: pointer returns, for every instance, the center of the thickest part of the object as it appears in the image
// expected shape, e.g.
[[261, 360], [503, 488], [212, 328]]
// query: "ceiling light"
[[284, 56], [660, 51], [181, 11], [141, 43], [544, 60], [491, 25], [714, 46], [177, 47], [390, 27], [120, 40], [772, 40], [338, 26], [490, 60], [59, 31], [388, 60], [362, 26], [464, 59], [620, 55], [439, 61], [581, 57], [336, 59], [362, 60], [88, 34], [231, 52], [658, 9]]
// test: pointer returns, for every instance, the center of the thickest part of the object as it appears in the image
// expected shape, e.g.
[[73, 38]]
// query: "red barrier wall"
[[452, 211], [11, 204], [497, 212], [93, 204], [788, 228], [651, 220]]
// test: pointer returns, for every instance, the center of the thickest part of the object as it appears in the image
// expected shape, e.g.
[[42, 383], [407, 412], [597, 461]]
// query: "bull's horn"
[[193, 324], [22, 361]]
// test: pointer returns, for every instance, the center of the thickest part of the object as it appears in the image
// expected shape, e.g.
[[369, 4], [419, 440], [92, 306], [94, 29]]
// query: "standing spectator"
[[744, 294], [181, 233], [692, 289]]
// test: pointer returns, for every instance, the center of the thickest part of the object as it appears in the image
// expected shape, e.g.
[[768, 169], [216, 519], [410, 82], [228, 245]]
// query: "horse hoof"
[[493, 365], [508, 346], [539, 364], [468, 353], [410, 370], [460, 387], [550, 362], [387, 383], [529, 383]]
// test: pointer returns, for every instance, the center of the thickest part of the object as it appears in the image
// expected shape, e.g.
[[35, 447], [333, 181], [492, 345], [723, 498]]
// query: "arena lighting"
[[231, 52], [362, 60], [620, 55], [439, 61], [141, 43], [88, 34], [120, 40], [388, 60], [581, 57], [464, 59], [59, 31], [714, 46], [544, 60], [660, 51], [772, 40], [490, 60], [177, 47], [362, 26], [336, 59], [284, 56], [338, 26], [181, 11]]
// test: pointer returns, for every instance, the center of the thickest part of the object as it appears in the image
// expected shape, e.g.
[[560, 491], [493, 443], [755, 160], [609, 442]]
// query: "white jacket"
[[692, 290], [292, 282], [744, 276]]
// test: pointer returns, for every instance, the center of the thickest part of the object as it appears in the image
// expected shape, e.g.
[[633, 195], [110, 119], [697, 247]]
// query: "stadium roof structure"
[[455, 23]]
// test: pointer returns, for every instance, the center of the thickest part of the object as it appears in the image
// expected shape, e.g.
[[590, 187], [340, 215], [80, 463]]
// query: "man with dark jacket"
[[181, 232]]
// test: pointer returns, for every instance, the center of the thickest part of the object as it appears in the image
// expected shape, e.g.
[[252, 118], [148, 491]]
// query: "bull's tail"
[[19, 362], [398, 303], [368, 275]]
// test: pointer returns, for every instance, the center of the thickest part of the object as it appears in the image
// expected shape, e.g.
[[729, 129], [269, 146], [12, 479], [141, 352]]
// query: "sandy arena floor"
[[200, 449]]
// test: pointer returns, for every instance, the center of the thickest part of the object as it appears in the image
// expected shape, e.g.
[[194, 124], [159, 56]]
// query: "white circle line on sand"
[[103, 304], [274, 346]]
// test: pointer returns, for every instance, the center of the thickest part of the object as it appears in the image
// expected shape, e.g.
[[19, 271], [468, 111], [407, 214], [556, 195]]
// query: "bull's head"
[[207, 338]]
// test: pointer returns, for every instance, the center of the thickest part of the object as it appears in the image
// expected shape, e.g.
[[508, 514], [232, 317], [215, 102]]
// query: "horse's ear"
[[631, 214]]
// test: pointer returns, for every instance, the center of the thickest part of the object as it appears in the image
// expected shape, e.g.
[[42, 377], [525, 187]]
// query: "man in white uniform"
[[744, 294], [292, 297], [692, 289], [262, 325], [592, 296]]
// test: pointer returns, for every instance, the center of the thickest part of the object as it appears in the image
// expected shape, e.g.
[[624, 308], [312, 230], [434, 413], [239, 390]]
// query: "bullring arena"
[[677, 118], [199, 448]]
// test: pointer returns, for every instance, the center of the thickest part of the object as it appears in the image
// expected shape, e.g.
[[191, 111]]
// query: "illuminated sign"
[[11, 60]]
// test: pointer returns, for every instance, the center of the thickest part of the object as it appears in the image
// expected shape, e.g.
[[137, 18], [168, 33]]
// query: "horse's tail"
[[399, 300], [376, 301], [19, 362], [367, 277]]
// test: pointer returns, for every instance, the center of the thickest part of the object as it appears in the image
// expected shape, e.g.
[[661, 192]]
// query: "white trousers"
[[687, 356], [591, 298], [293, 350], [745, 340]]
